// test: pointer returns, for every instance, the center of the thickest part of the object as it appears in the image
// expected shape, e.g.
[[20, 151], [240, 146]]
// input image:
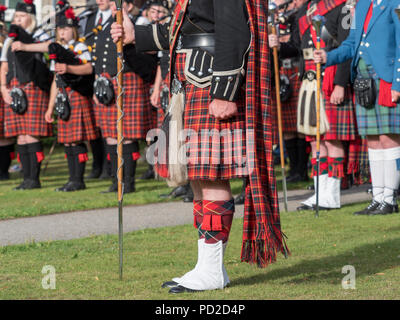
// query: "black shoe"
[[169, 284], [240, 199], [21, 186], [311, 187], [181, 289], [188, 197], [112, 188], [63, 187], [385, 208], [148, 174], [74, 186], [32, 184], [371, 207], [304, 207], [95, 174]]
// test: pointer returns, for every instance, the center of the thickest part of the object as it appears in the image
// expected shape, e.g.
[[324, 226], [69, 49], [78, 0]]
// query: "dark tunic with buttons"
[[206, 76], [136, 101]]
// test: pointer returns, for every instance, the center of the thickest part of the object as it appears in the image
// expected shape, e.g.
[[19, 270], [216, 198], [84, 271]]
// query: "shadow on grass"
[[368, 260]]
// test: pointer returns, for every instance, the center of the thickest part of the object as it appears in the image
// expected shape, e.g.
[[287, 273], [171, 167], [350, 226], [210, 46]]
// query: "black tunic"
[[227, 19]]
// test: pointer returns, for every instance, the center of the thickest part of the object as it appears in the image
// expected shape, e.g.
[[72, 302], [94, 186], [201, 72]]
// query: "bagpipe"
[[79, 83], [33, 67]]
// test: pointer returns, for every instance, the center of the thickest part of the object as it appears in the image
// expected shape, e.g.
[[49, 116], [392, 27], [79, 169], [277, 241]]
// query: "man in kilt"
[[136, 102], [30, 76], [375, 68], [338, 124], [212, 45], [6, 145]]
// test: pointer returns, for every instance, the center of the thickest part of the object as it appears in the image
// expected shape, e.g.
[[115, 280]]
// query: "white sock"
[[376, 163], [391, 173]]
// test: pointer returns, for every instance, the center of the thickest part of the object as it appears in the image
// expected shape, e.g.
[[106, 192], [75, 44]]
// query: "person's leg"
[[36, 156], [323, 174], [98, 153], [111, 149], [6, 155], [391, 175], [130, 155], [71, 165], [303, 155], [23, 157], [376, 165], [80, 157], [217, 209], [336, 159], [290, 141]]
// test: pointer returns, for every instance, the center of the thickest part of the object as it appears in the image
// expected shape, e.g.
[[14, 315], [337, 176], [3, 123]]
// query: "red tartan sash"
[[322, 8]]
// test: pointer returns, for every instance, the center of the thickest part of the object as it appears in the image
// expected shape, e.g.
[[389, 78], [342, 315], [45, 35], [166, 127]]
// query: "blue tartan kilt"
[[377, 120]]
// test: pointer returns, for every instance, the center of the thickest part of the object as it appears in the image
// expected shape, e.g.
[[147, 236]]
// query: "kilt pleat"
[[81, 124], [32, 122], [217, 149], [137, 119]]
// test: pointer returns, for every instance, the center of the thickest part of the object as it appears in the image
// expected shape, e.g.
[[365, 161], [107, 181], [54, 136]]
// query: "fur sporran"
[[307, 108], [177, 169]]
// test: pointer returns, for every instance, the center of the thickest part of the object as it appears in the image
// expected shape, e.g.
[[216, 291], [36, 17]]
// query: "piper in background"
[[26, 80]]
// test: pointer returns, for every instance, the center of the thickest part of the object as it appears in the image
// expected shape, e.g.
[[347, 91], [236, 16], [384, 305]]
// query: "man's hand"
[[395, 96], [320, 56], [60, 68], [337, 96], [221, 109], [273, 41], [126, 32], [17, 46]]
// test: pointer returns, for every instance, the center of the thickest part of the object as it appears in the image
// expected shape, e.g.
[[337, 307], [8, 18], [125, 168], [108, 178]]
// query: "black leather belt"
[[205, 41]]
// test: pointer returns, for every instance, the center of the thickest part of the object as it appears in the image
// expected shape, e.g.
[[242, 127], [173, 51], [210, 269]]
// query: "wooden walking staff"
[[120, 138], [272, 8], [318, 22]]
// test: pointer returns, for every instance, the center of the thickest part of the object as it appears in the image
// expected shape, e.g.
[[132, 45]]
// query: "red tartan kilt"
[[137, 120], [81, 124], [342, 120], [289, 108], [2, 106], [212, 159], [32, 122], [160, 117]]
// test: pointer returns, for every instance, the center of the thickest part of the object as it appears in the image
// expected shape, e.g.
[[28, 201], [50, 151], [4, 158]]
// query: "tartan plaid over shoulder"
[[262, 235]]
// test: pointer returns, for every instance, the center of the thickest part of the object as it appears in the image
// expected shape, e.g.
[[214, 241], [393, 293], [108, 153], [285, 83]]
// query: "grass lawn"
[[14, 204], [320, 247]]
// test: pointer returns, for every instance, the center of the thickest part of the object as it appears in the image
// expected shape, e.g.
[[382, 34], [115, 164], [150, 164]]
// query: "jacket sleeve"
[[232, 42], [345, 51], [342, 76], [396, 70], [152, 37]]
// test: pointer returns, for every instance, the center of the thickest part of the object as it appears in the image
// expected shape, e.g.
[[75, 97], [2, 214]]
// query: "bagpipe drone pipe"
[[32, 63]]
